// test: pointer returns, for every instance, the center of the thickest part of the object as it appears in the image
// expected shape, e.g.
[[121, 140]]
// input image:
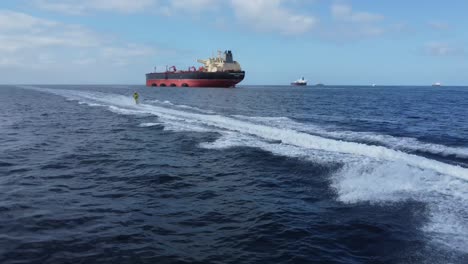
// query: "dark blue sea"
[[256, 174]]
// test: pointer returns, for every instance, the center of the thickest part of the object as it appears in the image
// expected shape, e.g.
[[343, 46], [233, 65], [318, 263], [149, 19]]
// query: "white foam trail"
[[113, 102], [149, 124], [387, 182], [232, 139], [90, 104], [123, 111], [286, 135], [304, 140], [196, 109], [401, 143], [175, 126], [181, 127], [448, 226], [377, 181]]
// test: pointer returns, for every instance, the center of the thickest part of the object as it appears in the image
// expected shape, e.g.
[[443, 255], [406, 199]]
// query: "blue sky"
[[275, 41]]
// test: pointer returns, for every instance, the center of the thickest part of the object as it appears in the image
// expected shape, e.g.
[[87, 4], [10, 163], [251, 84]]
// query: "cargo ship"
[[221, 71], [300, 82]]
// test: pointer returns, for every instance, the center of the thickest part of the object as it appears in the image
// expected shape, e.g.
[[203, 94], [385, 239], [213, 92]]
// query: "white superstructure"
[[301, 81], [222, 63]]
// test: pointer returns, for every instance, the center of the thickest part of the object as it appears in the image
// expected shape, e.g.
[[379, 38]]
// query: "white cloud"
[[438, 25], [81, 7], [123, 55], [32, 32], [400, 27], [166, 7], [50, 50], [183, 7], [442, 49], [12, 21], [272, 15], [194, 5], [280, 16], [346, 13], [350, 24], [19, 32]]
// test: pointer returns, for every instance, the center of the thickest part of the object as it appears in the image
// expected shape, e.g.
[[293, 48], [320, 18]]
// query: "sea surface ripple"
[[256, 174]]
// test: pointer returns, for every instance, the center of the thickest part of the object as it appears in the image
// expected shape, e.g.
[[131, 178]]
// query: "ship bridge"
[[224, 62]]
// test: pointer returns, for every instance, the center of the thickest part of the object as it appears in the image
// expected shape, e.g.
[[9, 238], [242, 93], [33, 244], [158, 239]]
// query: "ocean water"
[[261, 174]]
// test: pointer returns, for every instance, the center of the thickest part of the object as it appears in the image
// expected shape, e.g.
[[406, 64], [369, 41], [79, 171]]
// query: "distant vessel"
[[437, 84], [374, 85], [300, 82], [221, 71]]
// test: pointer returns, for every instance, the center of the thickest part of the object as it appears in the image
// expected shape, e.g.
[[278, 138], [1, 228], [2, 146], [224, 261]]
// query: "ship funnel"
[[229, 58]]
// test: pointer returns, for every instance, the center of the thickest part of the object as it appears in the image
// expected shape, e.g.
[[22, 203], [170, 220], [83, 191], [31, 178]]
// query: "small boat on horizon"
[[300, 82], [437, 84]]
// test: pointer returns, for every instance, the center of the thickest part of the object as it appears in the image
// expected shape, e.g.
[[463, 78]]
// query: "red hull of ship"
[[219, 83]]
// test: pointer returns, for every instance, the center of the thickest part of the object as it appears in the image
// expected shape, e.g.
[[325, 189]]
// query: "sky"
[[384, 42]]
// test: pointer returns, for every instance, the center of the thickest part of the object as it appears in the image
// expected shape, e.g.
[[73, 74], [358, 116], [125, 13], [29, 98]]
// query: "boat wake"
[[376, 174], [399, 143]]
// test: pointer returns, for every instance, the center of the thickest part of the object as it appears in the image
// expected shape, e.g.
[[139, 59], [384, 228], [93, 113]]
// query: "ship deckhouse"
[[224, 62]]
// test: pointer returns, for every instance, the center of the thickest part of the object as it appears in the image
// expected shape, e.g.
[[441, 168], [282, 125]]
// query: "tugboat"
[[300, 82], [220, 72]]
